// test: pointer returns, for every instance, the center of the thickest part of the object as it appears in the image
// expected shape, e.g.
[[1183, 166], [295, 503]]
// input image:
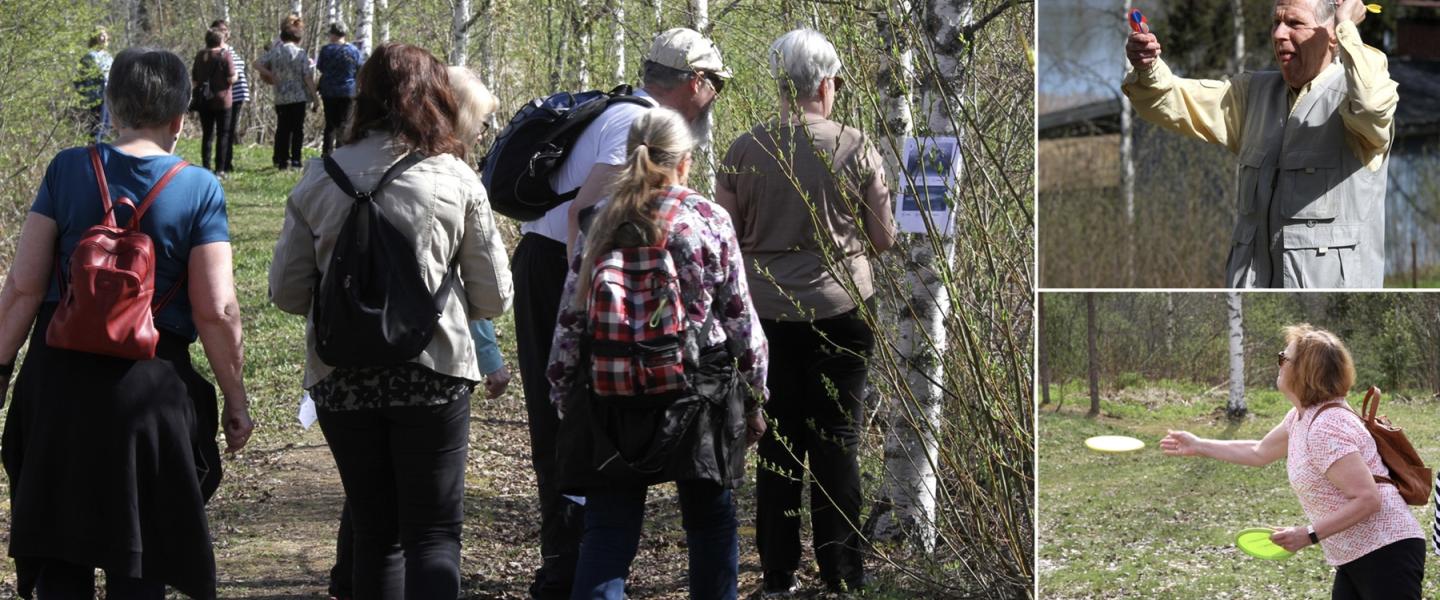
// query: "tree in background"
[[1094, 358], [1235, 408]]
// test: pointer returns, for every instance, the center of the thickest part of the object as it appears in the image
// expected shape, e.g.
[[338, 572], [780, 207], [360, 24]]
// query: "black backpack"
[[517, 170], [372, 307]]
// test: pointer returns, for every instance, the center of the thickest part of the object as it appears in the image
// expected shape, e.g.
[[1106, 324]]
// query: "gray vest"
[[1310, 214]]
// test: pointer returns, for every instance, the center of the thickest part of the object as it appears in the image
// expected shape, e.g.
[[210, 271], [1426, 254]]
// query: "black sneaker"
[[780, 585]]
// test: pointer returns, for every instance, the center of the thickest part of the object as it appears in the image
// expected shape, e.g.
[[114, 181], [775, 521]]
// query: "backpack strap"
[[103, 184], [139, 211], [343, 181], [1374, 391]]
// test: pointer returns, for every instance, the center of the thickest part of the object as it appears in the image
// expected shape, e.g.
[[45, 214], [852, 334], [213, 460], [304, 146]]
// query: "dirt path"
[[275, 516]]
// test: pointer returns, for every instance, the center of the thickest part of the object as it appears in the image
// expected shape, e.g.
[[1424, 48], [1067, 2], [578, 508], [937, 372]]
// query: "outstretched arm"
[[1241, 452]]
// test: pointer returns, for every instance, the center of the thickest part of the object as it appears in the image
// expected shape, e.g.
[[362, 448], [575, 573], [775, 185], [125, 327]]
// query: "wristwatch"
[[1314, 539]]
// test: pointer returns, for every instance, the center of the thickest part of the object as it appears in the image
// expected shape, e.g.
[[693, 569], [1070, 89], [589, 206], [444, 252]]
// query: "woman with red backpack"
[[657, 367], [109, 443]]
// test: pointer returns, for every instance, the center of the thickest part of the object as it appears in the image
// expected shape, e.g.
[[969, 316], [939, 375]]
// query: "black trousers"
[[342, 576], [65, 581], [229, 163], [817, 383], [404, 474], [539, 268], [215, 127], [1392, 572], [289, 134], [337, 115]]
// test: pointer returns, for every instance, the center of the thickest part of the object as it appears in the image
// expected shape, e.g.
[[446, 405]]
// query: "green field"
[[1144, 525]]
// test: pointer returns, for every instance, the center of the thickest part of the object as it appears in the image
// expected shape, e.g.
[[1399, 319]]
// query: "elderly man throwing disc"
[[1313, 141]]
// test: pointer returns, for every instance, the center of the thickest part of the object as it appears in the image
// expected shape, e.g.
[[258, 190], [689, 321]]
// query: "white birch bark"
[[619, 40], [1127, 178], [911, 446], [659, 18], [1235, 408], [364, 28], [460, 33], [583, 24], [1237, 7], [297, 6], [384, 19], [223, 7], [332, 12]]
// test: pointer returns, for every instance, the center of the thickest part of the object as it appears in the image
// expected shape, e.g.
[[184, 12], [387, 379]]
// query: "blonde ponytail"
[[658, 141]]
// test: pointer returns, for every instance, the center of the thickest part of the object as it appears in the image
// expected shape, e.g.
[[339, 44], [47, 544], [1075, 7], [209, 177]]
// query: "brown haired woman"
[[1365, 530], [399, 434]]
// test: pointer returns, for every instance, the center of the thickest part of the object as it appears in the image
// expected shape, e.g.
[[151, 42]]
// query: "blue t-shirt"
[[338, 64], [190, 212]]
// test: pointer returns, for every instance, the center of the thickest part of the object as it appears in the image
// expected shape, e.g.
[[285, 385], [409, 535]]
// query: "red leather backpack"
[[109, 305]]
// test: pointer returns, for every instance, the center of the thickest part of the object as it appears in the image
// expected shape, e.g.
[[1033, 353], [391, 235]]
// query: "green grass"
[[1144, 525]]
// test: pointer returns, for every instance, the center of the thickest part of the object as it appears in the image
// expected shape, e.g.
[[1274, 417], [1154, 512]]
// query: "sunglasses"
[[839, 83], [715, 81]]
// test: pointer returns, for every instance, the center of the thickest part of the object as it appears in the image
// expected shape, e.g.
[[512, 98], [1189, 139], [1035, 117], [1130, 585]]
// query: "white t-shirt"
[[602, 143]]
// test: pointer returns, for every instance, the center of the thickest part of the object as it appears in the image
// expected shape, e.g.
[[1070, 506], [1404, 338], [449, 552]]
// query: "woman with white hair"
[[810, 203]]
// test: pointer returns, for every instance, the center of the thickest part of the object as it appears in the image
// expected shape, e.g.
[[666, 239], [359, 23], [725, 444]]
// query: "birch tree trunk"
[[297, 7], [583, 24], [384, 19], [460, 32], [1127, 178], [223, 7], [618, 8], [911, 445], [1237, 66], [1235, 408], [1094, 356], [659, 18], [1169, 333], [364, 34], [332, 12]]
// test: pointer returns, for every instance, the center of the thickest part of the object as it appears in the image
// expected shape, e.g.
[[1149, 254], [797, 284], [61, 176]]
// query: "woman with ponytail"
[[725, 357]]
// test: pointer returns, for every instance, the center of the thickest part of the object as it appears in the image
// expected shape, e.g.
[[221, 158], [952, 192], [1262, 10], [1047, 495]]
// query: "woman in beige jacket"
[[399, 433]]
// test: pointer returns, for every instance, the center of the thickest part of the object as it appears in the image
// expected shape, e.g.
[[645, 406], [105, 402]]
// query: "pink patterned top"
[[1313, 447]]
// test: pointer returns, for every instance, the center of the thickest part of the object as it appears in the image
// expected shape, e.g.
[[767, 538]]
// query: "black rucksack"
[[372, 307], [517, 170]]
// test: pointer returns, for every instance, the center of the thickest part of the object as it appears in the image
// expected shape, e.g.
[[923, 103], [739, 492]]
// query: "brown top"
[[777, 178]]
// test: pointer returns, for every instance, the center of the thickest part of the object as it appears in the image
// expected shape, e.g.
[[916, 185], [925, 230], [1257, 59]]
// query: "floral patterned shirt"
[[707, 259], [291, 68], [1316, 442]]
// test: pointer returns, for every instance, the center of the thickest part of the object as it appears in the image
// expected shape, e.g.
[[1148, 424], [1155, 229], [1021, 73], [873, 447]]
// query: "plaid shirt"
[[707, 259]]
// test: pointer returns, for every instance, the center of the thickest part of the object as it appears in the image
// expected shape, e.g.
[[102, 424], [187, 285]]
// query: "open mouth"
[[1284, 56]]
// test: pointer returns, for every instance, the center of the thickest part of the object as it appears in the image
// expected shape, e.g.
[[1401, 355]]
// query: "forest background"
[[947, 452]]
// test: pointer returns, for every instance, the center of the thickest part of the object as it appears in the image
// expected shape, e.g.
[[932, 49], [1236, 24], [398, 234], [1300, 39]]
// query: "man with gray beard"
[[683, 71]]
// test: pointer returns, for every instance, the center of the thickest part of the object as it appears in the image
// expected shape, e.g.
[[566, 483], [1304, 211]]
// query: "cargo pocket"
[[1316, 256], [1309, 186], [1247, 180], [1239, 269]]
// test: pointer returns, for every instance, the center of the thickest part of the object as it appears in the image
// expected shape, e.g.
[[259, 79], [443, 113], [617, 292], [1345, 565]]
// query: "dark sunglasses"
[[715, 81], [839, 83]]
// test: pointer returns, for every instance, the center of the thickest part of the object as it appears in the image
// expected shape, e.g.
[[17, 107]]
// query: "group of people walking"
[[221, 87], [112, 471]]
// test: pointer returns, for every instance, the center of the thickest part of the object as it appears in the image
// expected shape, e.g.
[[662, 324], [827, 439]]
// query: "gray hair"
[[803, 58], [658, 76], [148, 87], [1324, 11]]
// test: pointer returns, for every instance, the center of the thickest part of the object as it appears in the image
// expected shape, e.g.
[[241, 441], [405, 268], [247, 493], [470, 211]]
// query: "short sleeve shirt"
[[778, 175], [602, 143], [1315, 444], [190, 212], [291, 67], [338, 64]]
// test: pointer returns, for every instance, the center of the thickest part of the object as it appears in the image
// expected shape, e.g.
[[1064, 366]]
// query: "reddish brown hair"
[[1321, 368], [405, 90]]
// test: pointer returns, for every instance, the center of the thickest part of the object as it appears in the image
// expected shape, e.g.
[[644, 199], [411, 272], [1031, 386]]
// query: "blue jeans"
[[612, 536]]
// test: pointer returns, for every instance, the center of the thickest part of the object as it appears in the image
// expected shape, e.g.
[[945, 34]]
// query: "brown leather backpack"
[[1407, 472], [109, 305]]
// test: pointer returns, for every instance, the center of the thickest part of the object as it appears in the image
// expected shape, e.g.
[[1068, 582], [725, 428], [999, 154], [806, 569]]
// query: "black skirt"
[[111, 462]]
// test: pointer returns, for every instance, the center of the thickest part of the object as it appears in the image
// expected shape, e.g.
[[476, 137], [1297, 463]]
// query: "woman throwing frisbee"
[[1365, 530]]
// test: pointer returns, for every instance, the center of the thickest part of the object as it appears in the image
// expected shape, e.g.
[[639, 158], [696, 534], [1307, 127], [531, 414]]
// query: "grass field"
[[1144, 525]]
